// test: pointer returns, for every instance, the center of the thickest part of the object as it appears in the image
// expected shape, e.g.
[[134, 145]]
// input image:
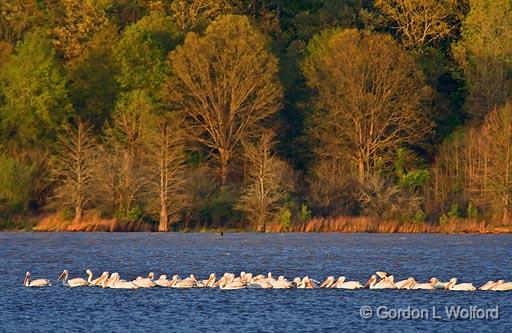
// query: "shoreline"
[[93, 223]]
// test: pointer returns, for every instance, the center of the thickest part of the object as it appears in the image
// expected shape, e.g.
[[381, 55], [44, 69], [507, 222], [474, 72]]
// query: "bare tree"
[[371, 97], [226, 84], [422, 22], [126, 138], [73, 168], [166, 162], [261, 197]]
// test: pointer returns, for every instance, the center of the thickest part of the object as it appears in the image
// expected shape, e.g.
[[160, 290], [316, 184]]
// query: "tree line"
[[241, 113]]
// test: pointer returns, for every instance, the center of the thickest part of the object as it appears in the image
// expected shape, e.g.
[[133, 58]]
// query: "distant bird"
[[162, 281], [342, 284], [72, 283], [27, 282], [452, 285]]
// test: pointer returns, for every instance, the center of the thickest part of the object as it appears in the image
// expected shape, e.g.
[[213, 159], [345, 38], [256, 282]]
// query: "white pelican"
[[297, 282], [405, 284], [421, 286], [501, 285], [162, 281], [72, 283], [145, 282], [27, 282], [385, 283], [189, 282], [208, 283], [281, 283], [260, 282], [308, 283], [233, 283], [438, 284], [342, 284], [488, 285], [99, 280], [115, 282], [328, 282], [452, 285]]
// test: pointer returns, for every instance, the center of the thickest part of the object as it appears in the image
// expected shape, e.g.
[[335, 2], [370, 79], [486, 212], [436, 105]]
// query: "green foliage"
[[142, 50], [284, 216], [305, 213], [34, 92], [15, 185], [471, 211], [453, 213]]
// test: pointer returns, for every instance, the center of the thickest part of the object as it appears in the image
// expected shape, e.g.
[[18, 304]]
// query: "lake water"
[[471, 258]]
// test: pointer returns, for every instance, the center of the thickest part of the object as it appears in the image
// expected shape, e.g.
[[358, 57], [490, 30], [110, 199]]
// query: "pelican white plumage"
[[308, 283], [115, 282], [405, 284], [438, 284], [385, 283], [281, 283], [208, 283], [452, 285], [421, 286], [488, 285], [99, 280], [145, 282], [233, 283], [162, 281], [328, 282], [501, 285], [37, 283], [72, 283], [189, 282], [260, 282], [342, 284]]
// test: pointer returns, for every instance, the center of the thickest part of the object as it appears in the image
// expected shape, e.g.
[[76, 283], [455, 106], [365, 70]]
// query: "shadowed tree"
[[72, 168], [260, 200], [421, 22], [371, 98], [166, 164], [193, 14], [125, 176], [226, 85], [485, 55], [75, 22]]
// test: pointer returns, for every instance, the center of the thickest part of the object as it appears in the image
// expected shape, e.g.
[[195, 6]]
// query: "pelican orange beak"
[[25, 280], [61, 276]]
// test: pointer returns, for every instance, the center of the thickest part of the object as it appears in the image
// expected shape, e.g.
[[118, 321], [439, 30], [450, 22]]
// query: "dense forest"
[[241, 113]]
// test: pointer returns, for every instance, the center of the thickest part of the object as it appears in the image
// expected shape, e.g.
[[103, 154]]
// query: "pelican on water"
[[405, 284], [145, 282], [72, 283], [438, 284], [384, 283], [115, 282], [189, 282], [501, 285], [27, 282], [342, 284], [162, 281], [328, 282], [452, 285]]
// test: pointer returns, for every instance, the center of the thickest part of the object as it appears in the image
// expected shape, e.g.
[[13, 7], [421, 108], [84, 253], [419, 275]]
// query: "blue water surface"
[[471, 258]]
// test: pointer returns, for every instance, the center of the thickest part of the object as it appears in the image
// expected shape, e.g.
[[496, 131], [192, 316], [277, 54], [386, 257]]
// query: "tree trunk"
[[164, 220], [78, 213], [224, 165], [361, 169]]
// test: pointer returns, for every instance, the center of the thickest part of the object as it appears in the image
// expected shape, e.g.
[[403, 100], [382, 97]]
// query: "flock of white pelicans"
[[229, 281]]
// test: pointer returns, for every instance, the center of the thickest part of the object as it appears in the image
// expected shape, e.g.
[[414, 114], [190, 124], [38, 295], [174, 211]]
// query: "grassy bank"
[[92, 222]]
